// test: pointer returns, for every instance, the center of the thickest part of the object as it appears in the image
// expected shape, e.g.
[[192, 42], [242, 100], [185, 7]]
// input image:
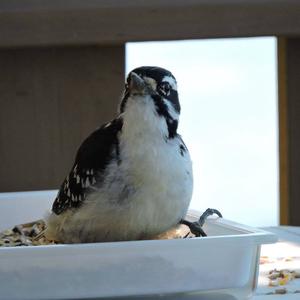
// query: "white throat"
[[141, 120]]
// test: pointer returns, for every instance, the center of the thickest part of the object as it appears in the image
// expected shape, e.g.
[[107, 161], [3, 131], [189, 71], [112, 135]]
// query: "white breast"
[[160, 177]]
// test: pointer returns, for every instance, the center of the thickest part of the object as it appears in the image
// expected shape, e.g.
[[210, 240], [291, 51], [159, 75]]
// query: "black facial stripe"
[[161, 107], [172, 128], [173, 98], [162, 110]]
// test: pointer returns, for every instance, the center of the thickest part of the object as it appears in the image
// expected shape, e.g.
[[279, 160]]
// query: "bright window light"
[[228, 94]]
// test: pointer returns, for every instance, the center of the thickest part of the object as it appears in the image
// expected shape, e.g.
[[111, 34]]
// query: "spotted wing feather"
[[91, 160]]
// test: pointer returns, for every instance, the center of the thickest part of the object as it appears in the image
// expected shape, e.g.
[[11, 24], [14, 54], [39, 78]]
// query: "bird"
[[132, 178]]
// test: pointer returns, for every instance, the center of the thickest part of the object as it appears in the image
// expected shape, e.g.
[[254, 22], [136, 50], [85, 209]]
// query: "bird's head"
[[151, 92]]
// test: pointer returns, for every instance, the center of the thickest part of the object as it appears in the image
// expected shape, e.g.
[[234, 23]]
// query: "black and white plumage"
[[132, 177]]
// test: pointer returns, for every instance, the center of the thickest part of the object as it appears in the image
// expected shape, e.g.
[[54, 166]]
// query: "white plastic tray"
[[225, 262]]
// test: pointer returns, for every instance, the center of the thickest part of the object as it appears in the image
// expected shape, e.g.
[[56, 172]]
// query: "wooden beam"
[[283, 133], [77, 22], [289, 129], [51, 99]]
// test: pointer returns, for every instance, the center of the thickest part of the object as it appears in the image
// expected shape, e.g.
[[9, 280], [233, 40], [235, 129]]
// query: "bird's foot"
[[196, 227]]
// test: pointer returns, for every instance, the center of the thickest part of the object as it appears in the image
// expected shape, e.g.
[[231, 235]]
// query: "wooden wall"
[[51, 98], [289, 129]]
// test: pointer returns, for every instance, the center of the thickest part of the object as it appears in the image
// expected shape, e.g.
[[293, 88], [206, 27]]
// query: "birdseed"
[[32, 234], [25, 235], [282, 277]]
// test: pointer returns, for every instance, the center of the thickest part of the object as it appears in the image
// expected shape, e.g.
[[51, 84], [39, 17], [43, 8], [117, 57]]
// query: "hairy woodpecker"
[[132, 178]]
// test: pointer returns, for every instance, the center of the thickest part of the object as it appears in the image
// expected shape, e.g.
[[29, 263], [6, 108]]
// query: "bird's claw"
[[207, 213], [196, 227]]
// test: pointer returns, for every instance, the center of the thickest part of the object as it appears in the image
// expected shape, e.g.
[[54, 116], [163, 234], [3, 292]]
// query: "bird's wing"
[[91, 160]]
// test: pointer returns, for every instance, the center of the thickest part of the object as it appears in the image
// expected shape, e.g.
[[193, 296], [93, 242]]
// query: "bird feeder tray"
[[224, 263]]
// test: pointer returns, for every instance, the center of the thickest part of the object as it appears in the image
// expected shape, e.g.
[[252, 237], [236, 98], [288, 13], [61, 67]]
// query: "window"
[[227, 89]]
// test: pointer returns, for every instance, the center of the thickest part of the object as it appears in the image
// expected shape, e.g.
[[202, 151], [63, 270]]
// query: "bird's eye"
[[165, 88]]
